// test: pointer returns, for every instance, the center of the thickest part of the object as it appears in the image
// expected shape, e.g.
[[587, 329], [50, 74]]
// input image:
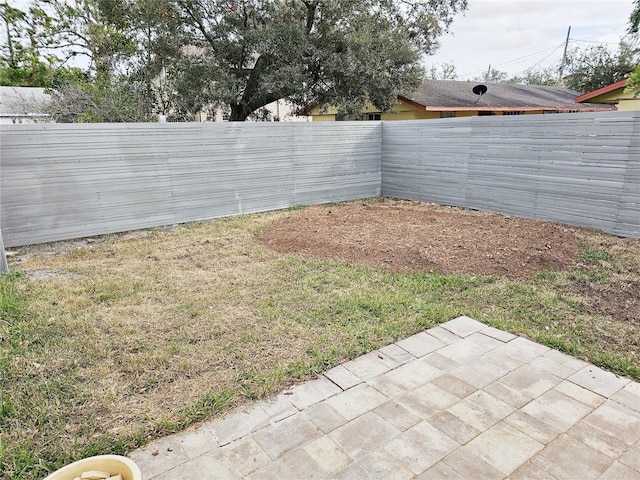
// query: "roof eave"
[[601, 91]]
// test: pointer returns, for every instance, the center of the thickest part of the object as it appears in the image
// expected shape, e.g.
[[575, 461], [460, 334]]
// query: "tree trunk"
[[239, 112]]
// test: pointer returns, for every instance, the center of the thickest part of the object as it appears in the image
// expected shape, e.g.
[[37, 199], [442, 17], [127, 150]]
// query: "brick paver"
[[462, 400]]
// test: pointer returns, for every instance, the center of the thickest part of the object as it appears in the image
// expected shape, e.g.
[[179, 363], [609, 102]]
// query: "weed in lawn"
[[596, 256]]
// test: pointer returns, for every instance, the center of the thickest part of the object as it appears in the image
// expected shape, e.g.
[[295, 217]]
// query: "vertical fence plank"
[[4, 266]]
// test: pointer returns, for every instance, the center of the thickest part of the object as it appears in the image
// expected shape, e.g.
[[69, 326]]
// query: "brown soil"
[[413, 236]]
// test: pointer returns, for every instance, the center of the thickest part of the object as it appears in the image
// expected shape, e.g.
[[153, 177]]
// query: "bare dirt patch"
[[412, 236]]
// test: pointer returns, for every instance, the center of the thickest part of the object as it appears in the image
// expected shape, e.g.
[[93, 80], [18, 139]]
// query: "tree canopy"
[[246, 54], [597, 66], [185, 55], [634, 19]]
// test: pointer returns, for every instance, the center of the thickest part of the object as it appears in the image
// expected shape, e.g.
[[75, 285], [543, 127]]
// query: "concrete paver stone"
[[397, 415], [364, 434], [327, 454], [463, 326], [632, 457], [482, 374], [557, 410], [453, 426], [471, 466], [617, 420], [464, 351], [618, 471], [312, 392], [293, 466], [160, 456], [352, 472], [503, 359], [356, 401], [420, 447], [557, 363], [427, 400], [587, 397], [244, 455], [238, 424], [397, 354], [404, 378], [442, 363], [455, 385], [567, 459], [286, 435], [503, 447], [209, 462], [440, 471], [343, 377], [420, 344], [522, 385], [461, 400], [371, 365], [523, 350], [529, 471], [381, 465], [594, 438], [535, 428], [278, 408], [629, 396], [598, 380], [442, 334], [497, 334], [481, 410], [486, 341], [325, 417]]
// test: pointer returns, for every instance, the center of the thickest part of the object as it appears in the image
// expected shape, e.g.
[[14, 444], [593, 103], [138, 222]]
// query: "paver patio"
[[459, 401]]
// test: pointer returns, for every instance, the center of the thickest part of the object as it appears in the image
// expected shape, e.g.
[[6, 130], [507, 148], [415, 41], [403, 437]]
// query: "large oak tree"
[[245, 54]]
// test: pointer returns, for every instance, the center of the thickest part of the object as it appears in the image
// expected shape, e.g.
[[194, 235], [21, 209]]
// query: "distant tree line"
[[585, 69]]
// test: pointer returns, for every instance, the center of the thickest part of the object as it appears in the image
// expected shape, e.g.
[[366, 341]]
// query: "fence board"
[[68, 181], [580, 169]]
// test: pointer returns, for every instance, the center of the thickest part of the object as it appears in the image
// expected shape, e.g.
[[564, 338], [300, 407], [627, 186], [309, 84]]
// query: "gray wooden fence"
[[69, 181], [582, 169]]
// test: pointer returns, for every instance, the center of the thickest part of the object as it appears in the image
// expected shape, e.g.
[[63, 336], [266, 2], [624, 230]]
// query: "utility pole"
[[564, 59], [488, 75]]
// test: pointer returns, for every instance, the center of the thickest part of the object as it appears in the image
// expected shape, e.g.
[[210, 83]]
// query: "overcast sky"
[[513, 35]]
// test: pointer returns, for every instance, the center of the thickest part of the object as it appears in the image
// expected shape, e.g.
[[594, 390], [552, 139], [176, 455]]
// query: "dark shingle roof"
[[450, 94]]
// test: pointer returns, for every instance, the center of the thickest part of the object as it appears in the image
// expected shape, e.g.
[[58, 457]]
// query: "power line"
[[519, 60], [593, 41], [550, 50], [538, 63], [522, 58]]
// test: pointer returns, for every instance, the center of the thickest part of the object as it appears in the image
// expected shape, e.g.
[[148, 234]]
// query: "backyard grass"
[[106, 345]]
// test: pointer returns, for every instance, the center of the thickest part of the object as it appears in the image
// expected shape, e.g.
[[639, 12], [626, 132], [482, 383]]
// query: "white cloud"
[[499, 32]]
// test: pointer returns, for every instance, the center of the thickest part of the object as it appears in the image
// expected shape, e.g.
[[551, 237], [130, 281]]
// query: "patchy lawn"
[[108, 342]]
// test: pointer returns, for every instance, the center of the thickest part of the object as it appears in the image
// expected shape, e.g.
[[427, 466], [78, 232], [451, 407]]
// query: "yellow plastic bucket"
[[113, 464]]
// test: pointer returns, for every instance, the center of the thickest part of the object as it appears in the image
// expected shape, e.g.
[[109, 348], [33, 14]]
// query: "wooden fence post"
[[4, 266]]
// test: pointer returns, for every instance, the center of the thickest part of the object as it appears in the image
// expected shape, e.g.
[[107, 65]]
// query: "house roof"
[[22, 101], [601, 91], [458, 95]]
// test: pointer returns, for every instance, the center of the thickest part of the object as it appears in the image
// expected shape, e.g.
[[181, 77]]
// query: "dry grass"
[[135, 335]]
